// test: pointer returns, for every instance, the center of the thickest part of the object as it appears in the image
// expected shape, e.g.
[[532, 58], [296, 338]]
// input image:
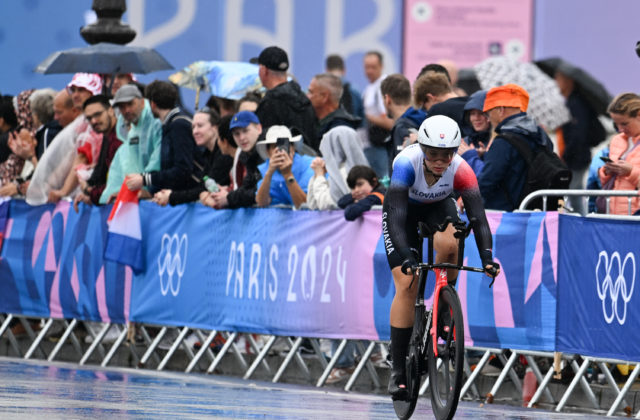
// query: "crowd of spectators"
[[327, 148], [52, 147]]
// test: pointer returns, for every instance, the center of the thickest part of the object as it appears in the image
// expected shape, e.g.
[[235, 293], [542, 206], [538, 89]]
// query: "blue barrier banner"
[[519, 311], [598, 310], [273, 271], [51, 265]]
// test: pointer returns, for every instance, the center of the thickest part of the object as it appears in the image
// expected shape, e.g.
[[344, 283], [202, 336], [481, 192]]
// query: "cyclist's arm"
[[466, 184], [394, 209]]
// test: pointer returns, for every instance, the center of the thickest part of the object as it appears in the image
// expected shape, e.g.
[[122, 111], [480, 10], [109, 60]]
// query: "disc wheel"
[[446, 379]]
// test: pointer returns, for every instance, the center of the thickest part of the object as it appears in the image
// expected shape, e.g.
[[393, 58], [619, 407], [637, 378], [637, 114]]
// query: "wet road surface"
[[40, 390]]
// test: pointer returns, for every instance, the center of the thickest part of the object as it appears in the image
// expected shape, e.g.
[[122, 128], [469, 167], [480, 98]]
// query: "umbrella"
[[225, 79], [546, 104], [104, 58], [591, 90]]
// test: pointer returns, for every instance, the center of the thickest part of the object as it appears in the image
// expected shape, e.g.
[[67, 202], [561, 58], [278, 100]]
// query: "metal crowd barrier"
[[144, 352], [545, 194]]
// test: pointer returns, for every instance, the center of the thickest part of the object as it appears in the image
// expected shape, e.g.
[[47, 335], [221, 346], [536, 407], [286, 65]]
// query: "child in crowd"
[[366, 192]]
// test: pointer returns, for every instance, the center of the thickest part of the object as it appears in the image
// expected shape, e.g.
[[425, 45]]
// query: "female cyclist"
[[425, 177]]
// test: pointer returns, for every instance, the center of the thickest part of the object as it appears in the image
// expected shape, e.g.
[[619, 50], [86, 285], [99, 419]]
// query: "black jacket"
[[45, 136], [337, 118], [176, 154], [213, 164], [454, 109], [577, 152], [286, 104], [245, 195]]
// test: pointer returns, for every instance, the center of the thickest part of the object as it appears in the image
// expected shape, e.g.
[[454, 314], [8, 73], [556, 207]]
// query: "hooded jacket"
[[411, 119], [341, 150], [504, 174], [139, 152], [287, 105]]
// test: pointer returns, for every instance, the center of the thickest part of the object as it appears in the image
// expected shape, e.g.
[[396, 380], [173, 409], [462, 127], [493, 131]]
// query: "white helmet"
[[440, 132]]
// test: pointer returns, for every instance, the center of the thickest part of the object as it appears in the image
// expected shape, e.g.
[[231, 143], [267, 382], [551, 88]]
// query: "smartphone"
[[283, 143], [605, 159]]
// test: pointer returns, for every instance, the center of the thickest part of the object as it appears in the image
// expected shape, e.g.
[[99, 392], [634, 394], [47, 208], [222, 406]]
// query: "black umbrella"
[[591, 90], [104, 58]]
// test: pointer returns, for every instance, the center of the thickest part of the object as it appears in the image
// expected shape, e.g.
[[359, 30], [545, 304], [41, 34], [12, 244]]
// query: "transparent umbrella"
[[546, 104], [225, 79]]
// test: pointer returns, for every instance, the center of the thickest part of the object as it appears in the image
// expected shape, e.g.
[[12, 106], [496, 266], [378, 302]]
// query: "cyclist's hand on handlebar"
[[409, 266], [492, 269]]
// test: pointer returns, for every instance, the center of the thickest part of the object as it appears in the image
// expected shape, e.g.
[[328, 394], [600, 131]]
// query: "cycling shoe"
[[397, 386]]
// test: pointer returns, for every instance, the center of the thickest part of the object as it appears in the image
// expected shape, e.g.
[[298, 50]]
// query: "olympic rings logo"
[[172, 260], [614, 286]]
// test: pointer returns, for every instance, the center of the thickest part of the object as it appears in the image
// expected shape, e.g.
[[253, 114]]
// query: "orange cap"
[[510, 95]]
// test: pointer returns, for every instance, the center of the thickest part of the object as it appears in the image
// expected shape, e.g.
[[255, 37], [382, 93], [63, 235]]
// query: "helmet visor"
[[434, 153]]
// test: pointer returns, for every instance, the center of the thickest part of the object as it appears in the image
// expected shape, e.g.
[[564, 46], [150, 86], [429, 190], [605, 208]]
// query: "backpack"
[[545, 171]]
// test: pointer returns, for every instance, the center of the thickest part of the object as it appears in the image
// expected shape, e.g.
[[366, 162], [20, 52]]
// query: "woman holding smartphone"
[[622, 170], [285, 173]]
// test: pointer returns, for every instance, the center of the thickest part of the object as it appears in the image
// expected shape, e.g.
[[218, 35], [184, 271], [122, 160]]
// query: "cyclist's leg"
[[402, 308], [401, 321]]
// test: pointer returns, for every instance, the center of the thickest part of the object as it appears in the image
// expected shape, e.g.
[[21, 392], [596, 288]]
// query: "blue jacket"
[[503, 175]]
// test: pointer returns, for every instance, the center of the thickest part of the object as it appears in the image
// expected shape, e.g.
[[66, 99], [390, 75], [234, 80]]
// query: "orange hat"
[[510, 95]]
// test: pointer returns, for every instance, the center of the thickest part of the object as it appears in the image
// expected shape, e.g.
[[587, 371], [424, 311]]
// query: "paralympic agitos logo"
[[615, 280]]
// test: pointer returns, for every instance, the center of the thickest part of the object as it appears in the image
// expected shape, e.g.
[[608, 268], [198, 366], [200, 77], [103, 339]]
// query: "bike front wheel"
[[415, 366], [445, 369]]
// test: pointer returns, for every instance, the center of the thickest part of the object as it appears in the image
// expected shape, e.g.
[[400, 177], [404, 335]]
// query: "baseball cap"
[[510, 95], [243, 119], [126, 93], [273, 58], [89, 81]]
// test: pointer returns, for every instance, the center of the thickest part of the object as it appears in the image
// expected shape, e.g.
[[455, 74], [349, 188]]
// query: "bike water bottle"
[[210, 184], [529, 386]]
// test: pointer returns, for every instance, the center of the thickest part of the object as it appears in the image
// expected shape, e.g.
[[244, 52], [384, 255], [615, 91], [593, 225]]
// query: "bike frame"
[[440, 271]]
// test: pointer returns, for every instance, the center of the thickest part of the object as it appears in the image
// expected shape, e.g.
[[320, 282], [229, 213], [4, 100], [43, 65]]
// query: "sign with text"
[[465, 31], [599, 311]]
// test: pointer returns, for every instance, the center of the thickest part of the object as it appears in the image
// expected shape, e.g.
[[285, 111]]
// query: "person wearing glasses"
[[102, 117], [425, 176]]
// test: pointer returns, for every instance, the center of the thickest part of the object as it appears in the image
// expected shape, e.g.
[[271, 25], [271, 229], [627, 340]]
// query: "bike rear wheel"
[[446, 380]]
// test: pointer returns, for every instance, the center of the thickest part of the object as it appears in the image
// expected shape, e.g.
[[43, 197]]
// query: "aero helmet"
[[440, 132]]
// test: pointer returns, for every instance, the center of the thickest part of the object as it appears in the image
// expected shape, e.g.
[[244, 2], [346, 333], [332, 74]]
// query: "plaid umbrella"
[[225, 79], [546, 104]]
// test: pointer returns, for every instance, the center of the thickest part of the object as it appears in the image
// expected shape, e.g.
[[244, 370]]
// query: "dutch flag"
[[124, 240]]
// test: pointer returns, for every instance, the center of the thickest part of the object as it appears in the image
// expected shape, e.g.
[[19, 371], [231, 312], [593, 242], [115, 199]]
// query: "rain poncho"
[[140, 156], [56, 161]]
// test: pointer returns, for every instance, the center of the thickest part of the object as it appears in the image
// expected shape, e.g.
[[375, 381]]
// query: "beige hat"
[[273, 134]]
